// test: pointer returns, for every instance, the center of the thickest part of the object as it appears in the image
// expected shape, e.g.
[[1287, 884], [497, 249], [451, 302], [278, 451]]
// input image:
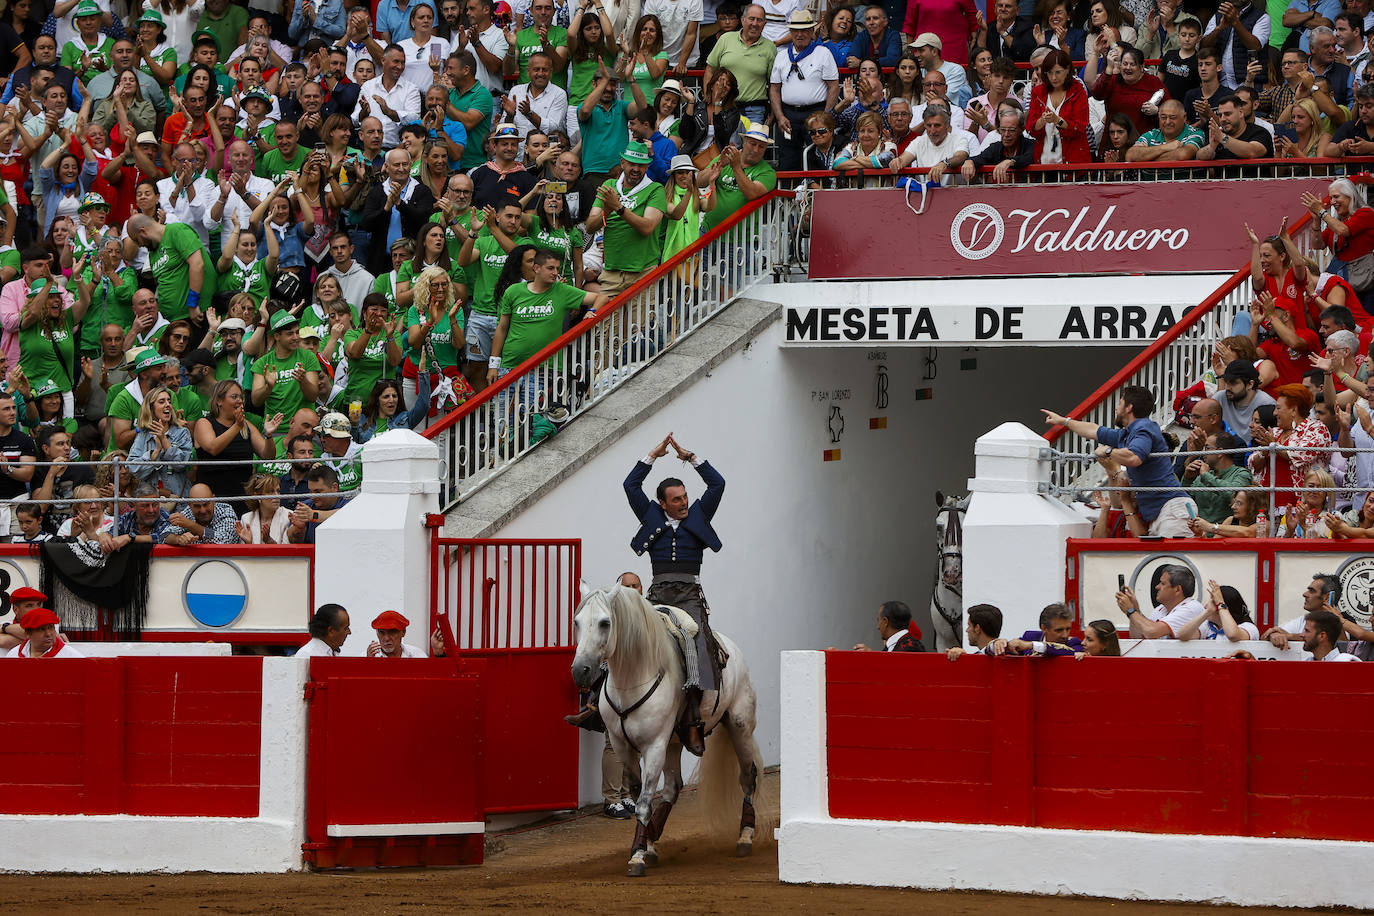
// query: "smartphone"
[[320, 147], [435, 50], [1120, 583], [556, 187]]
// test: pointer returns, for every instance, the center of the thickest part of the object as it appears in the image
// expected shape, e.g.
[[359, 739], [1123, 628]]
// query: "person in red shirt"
[[1059, 100], [1277, 268], [1285, 354], [189, 122], [1347, 230], [899, 124], [1125, 87]]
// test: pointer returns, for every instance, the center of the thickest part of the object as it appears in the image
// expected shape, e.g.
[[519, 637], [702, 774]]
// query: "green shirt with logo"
[[364, 371], [169, 263], [285, 397], [491, 258], [528, 42], [440, 337], [275, 166], [536, 319], [47, 354], [625, 249]]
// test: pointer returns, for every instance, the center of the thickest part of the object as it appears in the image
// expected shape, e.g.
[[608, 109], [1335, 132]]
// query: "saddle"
[[679, 621]]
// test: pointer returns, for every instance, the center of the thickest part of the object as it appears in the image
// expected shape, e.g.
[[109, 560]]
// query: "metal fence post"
[[1273, 472], [116, 491]]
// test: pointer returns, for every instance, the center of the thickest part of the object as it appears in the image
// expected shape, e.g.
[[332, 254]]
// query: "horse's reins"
[[625, 713]]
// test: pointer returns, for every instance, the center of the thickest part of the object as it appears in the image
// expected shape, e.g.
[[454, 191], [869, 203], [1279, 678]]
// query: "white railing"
[[484, 437]]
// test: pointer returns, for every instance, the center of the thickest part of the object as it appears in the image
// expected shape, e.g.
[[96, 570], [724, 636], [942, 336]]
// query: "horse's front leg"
[[672, 787], [651, 767]]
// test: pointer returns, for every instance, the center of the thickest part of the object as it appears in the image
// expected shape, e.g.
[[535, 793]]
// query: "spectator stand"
[[488, 433]]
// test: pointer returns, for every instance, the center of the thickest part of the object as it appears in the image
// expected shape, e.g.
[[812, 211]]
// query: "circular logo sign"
[[976, 231], [1154, 563], [214, 593], [1357, 588]]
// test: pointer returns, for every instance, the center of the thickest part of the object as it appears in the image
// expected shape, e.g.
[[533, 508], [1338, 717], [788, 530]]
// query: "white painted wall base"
[[1125, 866]]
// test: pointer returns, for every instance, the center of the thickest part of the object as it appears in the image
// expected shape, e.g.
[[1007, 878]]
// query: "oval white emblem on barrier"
[[214, 593], [1357, 588], [977, 231]]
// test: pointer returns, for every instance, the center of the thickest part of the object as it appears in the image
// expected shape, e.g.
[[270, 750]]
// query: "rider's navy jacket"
[[686, 544]]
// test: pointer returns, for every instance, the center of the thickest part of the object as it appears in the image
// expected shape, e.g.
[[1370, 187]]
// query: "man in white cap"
[[340, 452], [805, 80], [740, 175], [927, 48]]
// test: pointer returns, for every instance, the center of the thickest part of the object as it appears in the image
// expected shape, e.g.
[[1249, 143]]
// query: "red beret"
[[27, 594], [390, 620], [38, 617]]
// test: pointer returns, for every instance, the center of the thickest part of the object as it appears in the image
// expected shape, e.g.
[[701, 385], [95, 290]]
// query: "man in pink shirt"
[[36, 264]]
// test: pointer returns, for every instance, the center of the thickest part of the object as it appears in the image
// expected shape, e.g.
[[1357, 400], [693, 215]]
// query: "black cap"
[[1241, 369], [199, 357]]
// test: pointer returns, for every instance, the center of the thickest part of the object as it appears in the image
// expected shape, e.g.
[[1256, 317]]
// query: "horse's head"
[[592, 625], [949, 538]]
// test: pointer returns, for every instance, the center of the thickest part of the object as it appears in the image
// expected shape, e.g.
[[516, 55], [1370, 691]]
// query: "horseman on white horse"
[[676, 535]]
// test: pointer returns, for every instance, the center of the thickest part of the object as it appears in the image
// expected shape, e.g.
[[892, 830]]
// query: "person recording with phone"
[[1239, 31], [1175, 609]]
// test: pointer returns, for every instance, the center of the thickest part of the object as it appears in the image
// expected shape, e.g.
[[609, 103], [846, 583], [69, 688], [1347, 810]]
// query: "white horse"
[[641, 703], [947, 600]]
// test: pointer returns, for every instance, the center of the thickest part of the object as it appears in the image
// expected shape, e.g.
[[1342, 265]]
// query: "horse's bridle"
[[954, 532]]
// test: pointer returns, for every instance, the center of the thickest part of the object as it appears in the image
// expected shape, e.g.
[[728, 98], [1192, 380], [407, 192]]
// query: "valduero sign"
[[1020, 230], [896, 325]]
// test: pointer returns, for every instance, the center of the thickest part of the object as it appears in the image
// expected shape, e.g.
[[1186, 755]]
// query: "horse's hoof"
[[650, 858], [744, 849], [636, 870]]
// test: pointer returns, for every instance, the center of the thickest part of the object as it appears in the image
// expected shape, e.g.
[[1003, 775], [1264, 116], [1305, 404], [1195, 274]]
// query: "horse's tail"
[[722, 796]]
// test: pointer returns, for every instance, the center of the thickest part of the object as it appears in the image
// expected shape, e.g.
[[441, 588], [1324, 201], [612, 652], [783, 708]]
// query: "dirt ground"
[[576, 865]]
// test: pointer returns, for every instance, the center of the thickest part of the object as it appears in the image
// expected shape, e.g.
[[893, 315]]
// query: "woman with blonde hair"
[[434, 328], [1306, 119], [1306, 518], [266, 520], [163, 444], [225, 434]]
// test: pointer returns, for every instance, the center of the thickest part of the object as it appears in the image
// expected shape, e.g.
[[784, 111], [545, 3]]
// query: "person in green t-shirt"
[[47, 337], [743, 176], [179, 262], [240, 268], [373, 351], [533, 314], [486, 254], [469, 102], [631, 208], [552, 227], [289, 156], [225, 20], [286, 377], [591, 46], [543, 36], [155, 57], [402, 250], [109, 295], [88, 53], [649, 63], [685, 205]]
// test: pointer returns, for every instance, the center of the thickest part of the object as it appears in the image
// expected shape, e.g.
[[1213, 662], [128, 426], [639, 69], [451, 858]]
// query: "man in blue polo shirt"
[[1131, 445]]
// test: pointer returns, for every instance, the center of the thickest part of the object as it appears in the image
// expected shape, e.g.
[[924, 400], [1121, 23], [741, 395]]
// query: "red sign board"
[[1154, 227]]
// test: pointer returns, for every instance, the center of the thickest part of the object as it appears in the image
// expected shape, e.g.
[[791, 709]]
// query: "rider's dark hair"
[[988, 619], [667, 482], [897, 613], [327, 617], [1052, 612]]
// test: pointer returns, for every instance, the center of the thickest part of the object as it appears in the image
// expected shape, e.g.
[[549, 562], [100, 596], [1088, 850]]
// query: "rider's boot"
[[693, 732], [589, 716]]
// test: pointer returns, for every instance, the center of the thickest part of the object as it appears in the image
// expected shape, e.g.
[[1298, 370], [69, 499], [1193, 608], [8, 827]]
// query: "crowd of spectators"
[[232, 238]]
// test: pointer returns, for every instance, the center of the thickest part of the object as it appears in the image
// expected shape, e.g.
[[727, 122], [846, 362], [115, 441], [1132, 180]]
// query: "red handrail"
[[583, 327]]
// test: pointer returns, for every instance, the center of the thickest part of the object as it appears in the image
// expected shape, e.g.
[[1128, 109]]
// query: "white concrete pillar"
[[373, 556], [1014, 536]]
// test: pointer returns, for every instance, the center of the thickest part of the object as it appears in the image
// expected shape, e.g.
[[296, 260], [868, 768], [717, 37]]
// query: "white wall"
[[812, 547]]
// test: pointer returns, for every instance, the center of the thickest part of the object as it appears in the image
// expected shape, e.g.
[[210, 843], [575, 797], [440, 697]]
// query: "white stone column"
[[1014, 536], [373, 556]]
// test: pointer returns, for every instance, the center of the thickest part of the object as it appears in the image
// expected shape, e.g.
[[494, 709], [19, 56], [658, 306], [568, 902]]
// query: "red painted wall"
[[150, 736], [1154, 745]]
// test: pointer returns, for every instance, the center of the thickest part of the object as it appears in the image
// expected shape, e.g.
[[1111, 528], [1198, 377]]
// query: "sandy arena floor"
[[575, 866]]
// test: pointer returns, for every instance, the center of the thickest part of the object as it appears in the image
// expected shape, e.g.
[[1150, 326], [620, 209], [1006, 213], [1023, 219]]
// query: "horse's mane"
[[639, 631]]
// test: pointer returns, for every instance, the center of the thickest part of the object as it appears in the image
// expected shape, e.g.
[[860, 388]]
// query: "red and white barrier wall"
[[1133, 778], [153, 764]]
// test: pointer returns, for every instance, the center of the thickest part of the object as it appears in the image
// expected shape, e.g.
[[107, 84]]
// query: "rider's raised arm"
[[715, 487], [634, 488]]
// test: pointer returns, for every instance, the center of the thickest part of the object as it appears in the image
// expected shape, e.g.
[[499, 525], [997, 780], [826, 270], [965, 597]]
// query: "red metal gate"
[[510, 604], [395, 763]]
